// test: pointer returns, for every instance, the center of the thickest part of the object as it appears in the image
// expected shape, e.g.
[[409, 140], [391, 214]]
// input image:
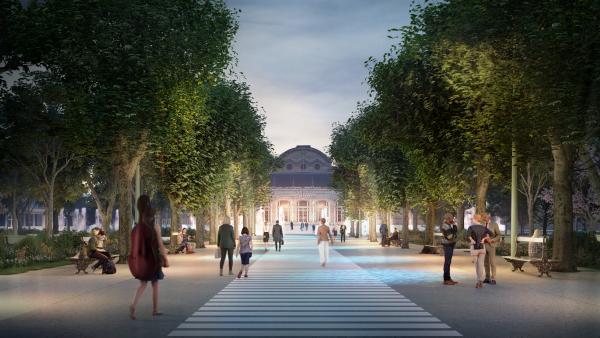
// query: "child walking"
[[245, 250]]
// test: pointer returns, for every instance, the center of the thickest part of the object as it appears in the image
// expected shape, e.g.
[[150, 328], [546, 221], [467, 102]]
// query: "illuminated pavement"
[[57, 303], [289, 294]]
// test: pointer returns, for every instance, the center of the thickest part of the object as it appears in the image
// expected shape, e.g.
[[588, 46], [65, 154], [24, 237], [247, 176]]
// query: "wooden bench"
[[517, 262], [432, 249]]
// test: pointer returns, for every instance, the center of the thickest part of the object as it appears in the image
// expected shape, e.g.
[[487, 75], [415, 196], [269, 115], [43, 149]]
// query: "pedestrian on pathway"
[[383, 230], [478, 235], [266, 236], [343, 232], [277, 233], [245, 251], [323, 240], [335, 232], [147, 255], [226, 242], [449, 231], [313, 227], [292, 226], [490, 251]]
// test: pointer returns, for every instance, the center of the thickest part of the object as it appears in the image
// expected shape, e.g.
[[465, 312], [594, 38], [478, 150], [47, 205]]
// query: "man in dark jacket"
[[226, 242], [449, 231], [383, 230], [277, 233]]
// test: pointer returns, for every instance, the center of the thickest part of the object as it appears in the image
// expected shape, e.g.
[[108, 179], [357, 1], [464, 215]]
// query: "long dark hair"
[[146, 212]]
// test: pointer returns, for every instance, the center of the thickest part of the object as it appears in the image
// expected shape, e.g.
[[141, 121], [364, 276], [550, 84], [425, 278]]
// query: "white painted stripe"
[[231, 314], [300, 306], [374, 309], [316, 333], [334, 297], [313, 319], [304, 300], [340, 326]]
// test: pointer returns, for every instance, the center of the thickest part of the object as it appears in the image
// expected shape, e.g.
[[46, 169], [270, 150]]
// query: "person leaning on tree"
[[449, 231]]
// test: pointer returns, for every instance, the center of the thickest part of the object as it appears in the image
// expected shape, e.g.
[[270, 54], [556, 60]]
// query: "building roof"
[[303, 166], [298, 179]]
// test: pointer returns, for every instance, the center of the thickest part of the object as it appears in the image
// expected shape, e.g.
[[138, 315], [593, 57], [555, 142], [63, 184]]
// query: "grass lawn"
[[37, 266]]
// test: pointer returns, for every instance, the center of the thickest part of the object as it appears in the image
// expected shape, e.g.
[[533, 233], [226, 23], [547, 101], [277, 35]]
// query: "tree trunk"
[[174, 229], [13, 213], [128, 162], [483, 183], [214, 209], [372, 226], [50, 210], [460, 216], [125, 217], [563, 205], [405, 233], [415, 215], [236, 210], [430, 224], [200, 221]]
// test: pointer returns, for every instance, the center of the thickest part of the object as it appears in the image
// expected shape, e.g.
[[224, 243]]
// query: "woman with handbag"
[[147, 255], [244, 248]]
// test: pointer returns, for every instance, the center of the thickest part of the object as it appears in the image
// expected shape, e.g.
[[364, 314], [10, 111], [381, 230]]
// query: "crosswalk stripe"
[[340, 326], [315, 333], [303, 299], [232, 314], [313, 319]]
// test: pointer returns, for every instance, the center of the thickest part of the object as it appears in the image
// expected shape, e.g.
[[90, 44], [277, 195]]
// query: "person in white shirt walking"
[[323, 240]]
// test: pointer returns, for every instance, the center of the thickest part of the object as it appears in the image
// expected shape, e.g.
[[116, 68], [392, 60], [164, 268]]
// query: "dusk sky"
[[304, 60]]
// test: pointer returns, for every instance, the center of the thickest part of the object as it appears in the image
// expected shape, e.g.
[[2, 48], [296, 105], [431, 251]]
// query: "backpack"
[[143, 260], [109, 268]]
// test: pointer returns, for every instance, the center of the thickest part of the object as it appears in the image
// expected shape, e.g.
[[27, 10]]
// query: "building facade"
[[301, 190]]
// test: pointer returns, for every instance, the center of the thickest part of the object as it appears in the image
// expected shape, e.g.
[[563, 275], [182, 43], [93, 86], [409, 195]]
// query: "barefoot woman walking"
[[147, 255]]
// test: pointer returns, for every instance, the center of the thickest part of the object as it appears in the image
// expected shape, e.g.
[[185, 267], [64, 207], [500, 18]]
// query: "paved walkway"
[[289, 294]]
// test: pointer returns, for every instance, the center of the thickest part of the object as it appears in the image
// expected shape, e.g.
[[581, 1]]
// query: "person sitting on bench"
[[394, 238], [184, 240], [95, 251]]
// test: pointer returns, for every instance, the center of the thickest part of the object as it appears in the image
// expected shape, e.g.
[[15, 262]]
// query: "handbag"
[[282, 241], [218, 253]]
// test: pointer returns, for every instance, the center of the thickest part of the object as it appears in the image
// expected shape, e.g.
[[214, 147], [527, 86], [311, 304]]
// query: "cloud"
[[304, 60]]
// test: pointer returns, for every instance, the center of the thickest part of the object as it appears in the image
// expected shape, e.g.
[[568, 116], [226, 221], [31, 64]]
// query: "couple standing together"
[[483, 237], [226, 244]]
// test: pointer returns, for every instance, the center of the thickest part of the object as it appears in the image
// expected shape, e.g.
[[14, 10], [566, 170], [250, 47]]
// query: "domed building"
[[301, 190]]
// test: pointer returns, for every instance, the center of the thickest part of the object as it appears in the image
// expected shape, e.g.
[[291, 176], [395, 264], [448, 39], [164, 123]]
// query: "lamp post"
[[514, 208]]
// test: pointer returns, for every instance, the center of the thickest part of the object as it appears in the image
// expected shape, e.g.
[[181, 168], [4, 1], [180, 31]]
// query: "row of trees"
[[470, 85], [104, 89]]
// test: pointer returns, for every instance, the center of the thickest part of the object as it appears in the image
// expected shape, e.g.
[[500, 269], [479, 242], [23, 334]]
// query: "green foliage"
[[33, 249], [587, 249]]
